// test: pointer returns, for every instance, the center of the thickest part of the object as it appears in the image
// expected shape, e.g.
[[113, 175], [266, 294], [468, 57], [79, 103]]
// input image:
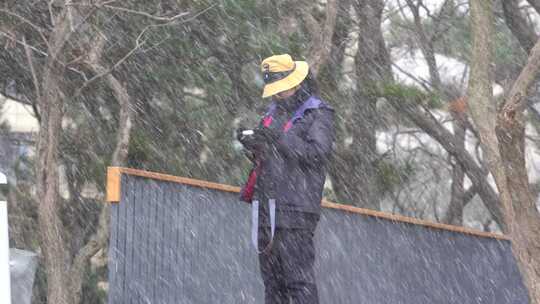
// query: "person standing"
[[290, 150]]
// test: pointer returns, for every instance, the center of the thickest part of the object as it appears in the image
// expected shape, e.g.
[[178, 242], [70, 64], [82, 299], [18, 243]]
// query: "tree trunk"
[[454, 215], [52, 244], [64, 276], [330, 81], [321, 41], [522, 215], [503, 141], [356, 180], [55, 253]]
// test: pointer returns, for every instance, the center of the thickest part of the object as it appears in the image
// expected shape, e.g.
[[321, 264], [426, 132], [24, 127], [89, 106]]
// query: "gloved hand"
[[248, 141], [267, 135], [239, 135]]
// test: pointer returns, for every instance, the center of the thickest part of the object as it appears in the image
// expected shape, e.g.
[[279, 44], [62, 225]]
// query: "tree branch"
[[439, 32], [30, 60], [131, 11], [518, 25], [425, 44], [424, 83], [138, 44], [450, 144], [535, 4], [516, 101], [41, 52], [145, 14], [96, 77], [119, 157], [23, 43], [35, 27], [469, 195], [51, 14]]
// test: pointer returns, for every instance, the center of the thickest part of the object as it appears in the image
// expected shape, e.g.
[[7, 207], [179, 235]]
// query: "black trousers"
[[287, 268]]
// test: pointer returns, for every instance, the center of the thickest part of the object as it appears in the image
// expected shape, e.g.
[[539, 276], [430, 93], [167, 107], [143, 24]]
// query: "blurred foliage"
[[410, 94], [393, 175], [39, 292], [93, 293]]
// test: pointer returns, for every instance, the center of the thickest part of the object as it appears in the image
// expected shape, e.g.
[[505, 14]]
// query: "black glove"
[[239, 135], [248, 141], [267, 135]]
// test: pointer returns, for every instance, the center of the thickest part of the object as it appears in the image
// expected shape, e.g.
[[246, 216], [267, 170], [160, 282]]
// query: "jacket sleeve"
[[316, 147]]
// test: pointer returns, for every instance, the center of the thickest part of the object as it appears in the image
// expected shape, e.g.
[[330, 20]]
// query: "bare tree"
[[502, 132], [56, 256]]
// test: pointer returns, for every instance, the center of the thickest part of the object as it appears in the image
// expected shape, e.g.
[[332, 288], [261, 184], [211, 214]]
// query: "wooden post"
[[5, 283], [113, 184]]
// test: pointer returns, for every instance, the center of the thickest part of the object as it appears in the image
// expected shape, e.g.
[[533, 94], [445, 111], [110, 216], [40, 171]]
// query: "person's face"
[[286, 94]]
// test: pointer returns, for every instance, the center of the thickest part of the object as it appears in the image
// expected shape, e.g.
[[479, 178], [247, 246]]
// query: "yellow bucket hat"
[[281, 73]]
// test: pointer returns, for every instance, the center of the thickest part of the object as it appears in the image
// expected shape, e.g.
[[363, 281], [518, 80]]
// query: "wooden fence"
[[179, 240]]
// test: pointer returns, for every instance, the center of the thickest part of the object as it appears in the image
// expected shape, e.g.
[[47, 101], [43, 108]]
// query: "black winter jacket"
[[293, 170]]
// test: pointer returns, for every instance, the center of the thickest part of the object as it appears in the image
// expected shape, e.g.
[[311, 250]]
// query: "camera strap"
[[255, 224]]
